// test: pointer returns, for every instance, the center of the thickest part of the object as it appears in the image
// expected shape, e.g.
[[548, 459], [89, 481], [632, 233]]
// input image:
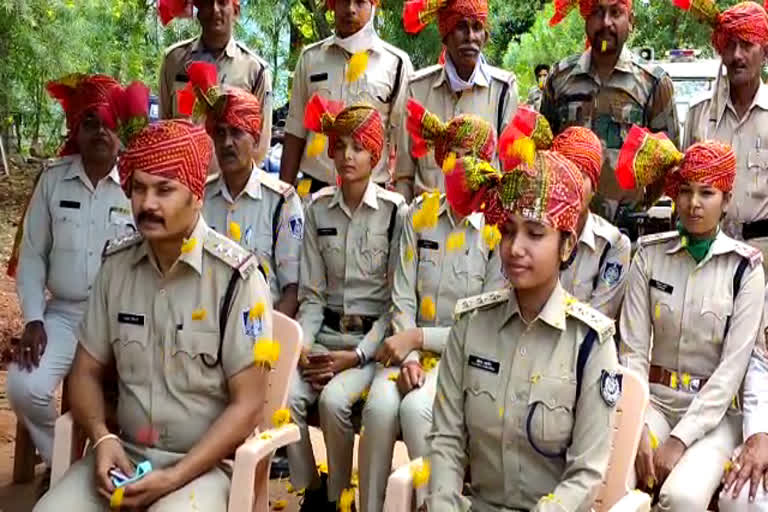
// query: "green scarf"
[[696, 247]]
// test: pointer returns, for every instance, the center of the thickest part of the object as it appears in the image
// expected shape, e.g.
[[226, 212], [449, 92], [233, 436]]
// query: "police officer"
[[237, 65], [465, 84], [353, 65], [540, 74], [265, 215], [77, 205], [510, 393], [689, 322], [347, 262], [186, 375], [444, 255], [607, 89], [736, 112]]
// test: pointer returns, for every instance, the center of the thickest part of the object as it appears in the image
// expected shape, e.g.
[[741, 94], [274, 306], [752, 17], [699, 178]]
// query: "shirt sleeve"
[[662, 113], [612, 279], [290, 233], [756, 393], [588, 455], [405, 164], [94, 335], [511, 102], [397, 116], [294, 123], [264, 93], [447, 440], [237, 346], [312, 282], [404, 299], [712, 401], [635, 322], [36, 242]]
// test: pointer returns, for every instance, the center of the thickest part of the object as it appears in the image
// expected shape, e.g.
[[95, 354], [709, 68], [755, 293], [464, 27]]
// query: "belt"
[[675, 380], [347, 323], [757, 229]]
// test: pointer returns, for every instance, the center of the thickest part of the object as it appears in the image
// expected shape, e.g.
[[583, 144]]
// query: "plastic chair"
[[614, 494], [250, 478]]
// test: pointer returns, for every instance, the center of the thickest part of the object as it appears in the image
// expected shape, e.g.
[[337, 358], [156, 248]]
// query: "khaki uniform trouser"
[[76, 491], [385, 416]]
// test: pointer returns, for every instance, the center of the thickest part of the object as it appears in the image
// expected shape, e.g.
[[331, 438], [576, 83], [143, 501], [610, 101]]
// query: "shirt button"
[[523, 351], [512, 398], [162, 291]]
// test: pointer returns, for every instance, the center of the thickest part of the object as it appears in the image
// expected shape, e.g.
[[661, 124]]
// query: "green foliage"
[[423, 48]]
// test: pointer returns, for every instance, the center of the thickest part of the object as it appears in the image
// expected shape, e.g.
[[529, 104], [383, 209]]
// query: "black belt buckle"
[[351, 324]]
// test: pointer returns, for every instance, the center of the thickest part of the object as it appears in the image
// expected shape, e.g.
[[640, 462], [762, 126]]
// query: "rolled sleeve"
[[435, 338], [294, 122], [312, 282], [33, 256], [94, 334], [289, 240]]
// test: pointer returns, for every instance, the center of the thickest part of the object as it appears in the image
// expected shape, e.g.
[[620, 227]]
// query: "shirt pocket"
[[67, 230], [713, 317], [481, 389], [332, 251], [195, 356], [663, 315], [469, 269], [375, 254], [757, 173], [575, 110], [613, 125], [132, 358], [549, 423]]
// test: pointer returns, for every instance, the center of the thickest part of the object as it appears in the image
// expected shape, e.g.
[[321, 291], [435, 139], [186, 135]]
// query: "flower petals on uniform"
[[420, 473], [281, 418], [266, 352], [199, 314], [188, 245], [428, 309]]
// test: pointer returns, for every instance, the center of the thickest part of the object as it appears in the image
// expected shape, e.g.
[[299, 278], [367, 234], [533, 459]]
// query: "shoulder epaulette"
[[174, 46], [397, 52], [567, 63], [652, 69], [423, 73], [323, 192], [601, 324], [607, 231], [481, 301], [699, 98], [251, 53], [657, 238], [120, 244], [745, 250], [314, 45], [276, 184], [230, 253], [502, 75], [391, 196]]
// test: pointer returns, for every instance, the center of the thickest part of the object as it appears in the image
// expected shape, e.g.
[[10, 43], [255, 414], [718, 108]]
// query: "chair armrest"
[[399, 496], [253, 450], [633, 501], [64, 432]]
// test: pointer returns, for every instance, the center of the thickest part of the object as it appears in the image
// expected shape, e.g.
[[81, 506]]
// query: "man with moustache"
[[77, 205], [174, 315], [607, 89], [238, 66]]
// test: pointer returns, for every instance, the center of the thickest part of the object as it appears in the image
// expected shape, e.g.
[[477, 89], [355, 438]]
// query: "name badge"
[[75, 205], [428, 244], [487, 365], [130, 318], [318, 77], [664, 287], [327, 232]]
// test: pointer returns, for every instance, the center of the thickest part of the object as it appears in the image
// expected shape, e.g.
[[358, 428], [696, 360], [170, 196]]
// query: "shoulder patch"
[[178, 45], [481, 301], [392, 197], [603, 326], [230, 253], [252, 54], [120, 244], [58, 162], [752, 254], [425, 72], [276, 184], [323, 192], [657, 238]]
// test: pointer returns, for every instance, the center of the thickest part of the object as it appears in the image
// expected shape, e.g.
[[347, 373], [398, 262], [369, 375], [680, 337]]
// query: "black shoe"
[[279, 468], [316, 500]]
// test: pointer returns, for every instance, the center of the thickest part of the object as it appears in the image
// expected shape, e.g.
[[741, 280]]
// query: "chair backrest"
[[629, 426], [288, 333]]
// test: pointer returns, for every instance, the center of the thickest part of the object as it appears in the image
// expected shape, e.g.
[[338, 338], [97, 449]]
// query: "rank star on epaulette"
[[610, 387]]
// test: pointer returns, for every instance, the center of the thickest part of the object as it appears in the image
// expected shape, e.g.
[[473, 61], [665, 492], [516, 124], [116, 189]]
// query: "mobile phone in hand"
[[120, 479]]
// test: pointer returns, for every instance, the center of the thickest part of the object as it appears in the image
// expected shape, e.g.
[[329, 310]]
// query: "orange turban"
[[170, 9], [747, 21], [417, 14], [586, 8], [581, 146]]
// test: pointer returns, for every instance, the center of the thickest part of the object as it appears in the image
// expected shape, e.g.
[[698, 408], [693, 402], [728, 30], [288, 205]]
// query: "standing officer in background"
[[353, 65], [466, 84], [237, 65], [607, 89], [737, 113], [265, 215], [535, 93], [77, 205], [175, 310]]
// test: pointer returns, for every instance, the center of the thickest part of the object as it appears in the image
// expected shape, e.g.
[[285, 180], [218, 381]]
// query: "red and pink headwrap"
[[581, 146], [417, 14], [177, 149], [586, 8], [747, 21], [171, 9], [79, 95]]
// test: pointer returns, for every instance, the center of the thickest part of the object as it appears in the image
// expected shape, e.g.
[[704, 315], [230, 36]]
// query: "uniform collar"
[[722, 245], [759, 101], [475, 219], [553, 312], [480, 76], [193, 257], [230, 50], [588, 233], [369, 197], [252, 187], [584, 64], [76, 169], [364, 39]]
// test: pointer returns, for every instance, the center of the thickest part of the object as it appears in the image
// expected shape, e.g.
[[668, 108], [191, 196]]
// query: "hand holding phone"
[[120, 479]]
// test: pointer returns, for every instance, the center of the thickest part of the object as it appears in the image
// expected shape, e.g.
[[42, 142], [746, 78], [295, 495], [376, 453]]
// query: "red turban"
[[80, 95], [710, 162], [586, 8], [417, 14], [177, 149], [465, 131], [747, 21], [581, 146], [170, 9], [361, 122]]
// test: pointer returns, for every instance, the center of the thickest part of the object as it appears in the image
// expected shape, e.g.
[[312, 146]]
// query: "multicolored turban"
[[647, 157], [581, 146], [332, 119], [747, 21], [466, 131], [170, 9], [203, 97], [527, 133], [79, 95], [177, 149], [417, 14], [586, 8]]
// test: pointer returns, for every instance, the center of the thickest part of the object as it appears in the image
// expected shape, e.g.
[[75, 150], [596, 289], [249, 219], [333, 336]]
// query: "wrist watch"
[[360, 357]]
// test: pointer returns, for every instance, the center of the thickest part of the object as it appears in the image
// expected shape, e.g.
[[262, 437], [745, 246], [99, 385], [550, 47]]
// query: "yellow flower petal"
[[281, 418], [364, 396], [234, 231], [188, 245], [420, 473], [604, 46], [673, 380], [654, 440], [358, 63], [535, 378], [265, 436], [492, 236], [728, 466], [279, 504], [289, 488], [303, 188], [501, 412], [650, 482], [257, 311], [686, 379], [117, 498], [316, 146], [392, 376], [428, 310], [456, 240], [199, 314], [322, 468], [266, 352], [449, 163], [346, 500], [409, 254], [429, 361], [657, 311], [355, 480]]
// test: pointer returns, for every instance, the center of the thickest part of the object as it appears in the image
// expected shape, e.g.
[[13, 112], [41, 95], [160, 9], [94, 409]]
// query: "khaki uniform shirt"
[[253, 220], [494, 101], [430, 277], [322, 69], [636, 93], [347, 262], [238, 66], [717, 119], [162, 331], [67, 225], [503, 386], [683, 307], [756, 385], [597, 271]]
